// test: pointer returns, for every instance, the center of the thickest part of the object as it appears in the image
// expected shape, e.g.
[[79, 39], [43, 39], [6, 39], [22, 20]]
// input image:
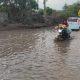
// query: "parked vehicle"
[[74, 23]]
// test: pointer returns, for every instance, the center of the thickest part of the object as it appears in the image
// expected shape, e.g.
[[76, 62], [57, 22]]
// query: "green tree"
[[41, 12], [49, 11], [21, 9], [70, 10]]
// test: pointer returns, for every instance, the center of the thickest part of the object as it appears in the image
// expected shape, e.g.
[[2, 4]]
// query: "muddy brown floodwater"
[[33, 54]]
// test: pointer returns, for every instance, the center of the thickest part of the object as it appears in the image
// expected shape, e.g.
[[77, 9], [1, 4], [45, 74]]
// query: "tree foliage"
[[49, 11], [70, 10], [21, 9]]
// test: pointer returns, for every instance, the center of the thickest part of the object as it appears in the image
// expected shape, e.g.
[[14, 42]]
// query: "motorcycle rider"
[[63, 30]]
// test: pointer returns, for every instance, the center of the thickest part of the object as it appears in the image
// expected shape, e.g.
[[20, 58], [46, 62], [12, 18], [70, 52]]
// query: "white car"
[[74, 23]]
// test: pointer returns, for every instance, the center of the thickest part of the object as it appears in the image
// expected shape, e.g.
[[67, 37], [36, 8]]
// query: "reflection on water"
[[62, 49], [62, 46], [33, 55]]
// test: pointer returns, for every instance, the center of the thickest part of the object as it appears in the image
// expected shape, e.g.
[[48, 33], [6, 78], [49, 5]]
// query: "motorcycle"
[[63, 35]]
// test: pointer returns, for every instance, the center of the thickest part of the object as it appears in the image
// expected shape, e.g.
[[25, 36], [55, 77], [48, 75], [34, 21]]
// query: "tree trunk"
[[44, 2], [45, 15], [38, 5]]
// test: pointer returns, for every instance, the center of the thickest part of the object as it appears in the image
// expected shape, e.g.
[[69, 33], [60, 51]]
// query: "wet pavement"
[[33, 54]]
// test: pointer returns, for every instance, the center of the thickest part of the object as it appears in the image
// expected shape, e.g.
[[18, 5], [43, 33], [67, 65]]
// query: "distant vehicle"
[[74, 23]]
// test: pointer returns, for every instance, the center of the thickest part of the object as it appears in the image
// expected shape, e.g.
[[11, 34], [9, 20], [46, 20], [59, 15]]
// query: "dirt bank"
[[15, 26]]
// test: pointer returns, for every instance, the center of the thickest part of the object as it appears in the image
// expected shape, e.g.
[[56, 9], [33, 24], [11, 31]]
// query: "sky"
[[57, 4]]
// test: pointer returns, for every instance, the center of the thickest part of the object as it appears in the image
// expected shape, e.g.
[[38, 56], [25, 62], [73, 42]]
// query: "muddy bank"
[[16, 26]]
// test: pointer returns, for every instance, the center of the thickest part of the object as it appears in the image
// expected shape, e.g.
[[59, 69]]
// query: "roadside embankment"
[[13, 26]]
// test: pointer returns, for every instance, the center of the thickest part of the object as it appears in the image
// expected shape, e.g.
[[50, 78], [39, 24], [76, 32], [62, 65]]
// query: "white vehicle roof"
[[74, 18]]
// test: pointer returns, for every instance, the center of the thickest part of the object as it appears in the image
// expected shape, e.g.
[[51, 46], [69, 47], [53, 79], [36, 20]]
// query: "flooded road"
[[32, 54]]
